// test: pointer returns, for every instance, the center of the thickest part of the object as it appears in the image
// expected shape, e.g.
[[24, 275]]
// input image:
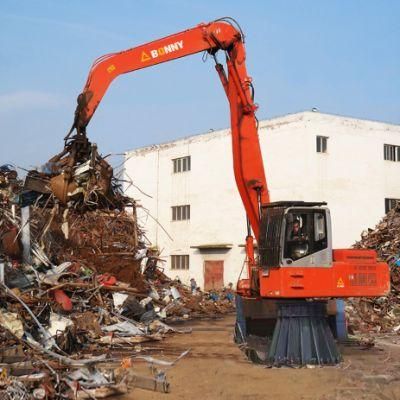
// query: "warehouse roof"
[[271, 123]]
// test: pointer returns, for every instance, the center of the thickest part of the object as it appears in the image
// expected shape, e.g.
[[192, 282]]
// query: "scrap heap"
[[381, 314], [80, 288]]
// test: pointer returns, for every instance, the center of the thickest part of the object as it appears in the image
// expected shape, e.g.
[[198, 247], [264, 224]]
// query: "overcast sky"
[[342, 57]]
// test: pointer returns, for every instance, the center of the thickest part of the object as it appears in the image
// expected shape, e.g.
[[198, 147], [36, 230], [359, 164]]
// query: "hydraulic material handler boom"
[[294, 271]]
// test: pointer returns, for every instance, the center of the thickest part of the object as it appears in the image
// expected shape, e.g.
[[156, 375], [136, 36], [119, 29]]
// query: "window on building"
[[180, 213], [322, 144], [390, 204], [180, 261], [181, 164], [391, 152]]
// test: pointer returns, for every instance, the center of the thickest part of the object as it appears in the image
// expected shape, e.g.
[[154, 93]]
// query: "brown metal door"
[[213, 275]]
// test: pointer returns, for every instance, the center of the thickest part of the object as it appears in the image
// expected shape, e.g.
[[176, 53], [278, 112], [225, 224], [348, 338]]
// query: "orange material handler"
[[294, 272]]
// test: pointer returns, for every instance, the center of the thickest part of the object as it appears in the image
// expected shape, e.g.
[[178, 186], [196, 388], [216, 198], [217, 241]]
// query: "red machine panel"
[[354, 273]]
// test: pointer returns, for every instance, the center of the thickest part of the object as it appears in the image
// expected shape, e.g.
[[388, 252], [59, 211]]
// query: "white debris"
[[125, 328], [58, 324], [11, 322], [119, 300]]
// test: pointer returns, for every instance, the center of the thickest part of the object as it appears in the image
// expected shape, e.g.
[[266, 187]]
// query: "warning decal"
[[340, 283], [145, 57], [111, 68]]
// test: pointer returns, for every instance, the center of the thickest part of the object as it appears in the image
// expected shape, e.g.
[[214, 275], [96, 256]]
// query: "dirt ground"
[[216, 369]]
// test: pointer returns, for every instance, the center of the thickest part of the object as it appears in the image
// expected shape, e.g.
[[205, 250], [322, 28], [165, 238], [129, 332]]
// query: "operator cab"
[[295, 234]]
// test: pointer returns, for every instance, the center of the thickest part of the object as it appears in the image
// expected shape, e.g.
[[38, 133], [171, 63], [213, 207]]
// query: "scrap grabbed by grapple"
[[78, 174]]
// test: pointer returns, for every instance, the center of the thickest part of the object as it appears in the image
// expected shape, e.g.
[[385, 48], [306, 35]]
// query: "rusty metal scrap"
[[10, 187], [93, 288], [380, 314], [9, 184], [80, 174]]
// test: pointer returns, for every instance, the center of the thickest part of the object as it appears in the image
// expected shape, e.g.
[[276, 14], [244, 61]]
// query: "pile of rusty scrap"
[[72, 339], [80, 286], [182, 303], [381, 314]]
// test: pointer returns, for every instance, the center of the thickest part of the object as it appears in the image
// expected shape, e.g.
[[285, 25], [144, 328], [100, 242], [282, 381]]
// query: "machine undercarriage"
[[289, 332]]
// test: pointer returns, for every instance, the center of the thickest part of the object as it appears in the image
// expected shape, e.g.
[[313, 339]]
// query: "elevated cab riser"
[[286, 332]]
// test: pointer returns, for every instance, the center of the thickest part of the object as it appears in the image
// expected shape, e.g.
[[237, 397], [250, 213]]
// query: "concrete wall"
[[352, 177]]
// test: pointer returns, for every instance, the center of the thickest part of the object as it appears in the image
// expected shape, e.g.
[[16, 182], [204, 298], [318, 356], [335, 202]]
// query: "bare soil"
[[216, 369]]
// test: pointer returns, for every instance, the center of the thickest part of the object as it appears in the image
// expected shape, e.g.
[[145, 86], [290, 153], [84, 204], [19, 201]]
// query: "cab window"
[[305, 233]]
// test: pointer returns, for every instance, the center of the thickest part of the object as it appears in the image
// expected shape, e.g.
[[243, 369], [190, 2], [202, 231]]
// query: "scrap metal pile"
[[81, 289], [381, 314]]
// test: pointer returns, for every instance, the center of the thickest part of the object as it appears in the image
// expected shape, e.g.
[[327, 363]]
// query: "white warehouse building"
[[195, 215]]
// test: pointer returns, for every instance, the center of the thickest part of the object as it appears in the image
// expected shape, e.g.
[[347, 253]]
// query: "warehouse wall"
[[351, 176]]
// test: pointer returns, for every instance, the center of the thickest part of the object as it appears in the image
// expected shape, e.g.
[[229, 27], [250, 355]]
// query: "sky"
[[340, 56]]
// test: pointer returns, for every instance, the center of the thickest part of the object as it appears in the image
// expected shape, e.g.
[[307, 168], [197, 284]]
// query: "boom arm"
[[211, 37]]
